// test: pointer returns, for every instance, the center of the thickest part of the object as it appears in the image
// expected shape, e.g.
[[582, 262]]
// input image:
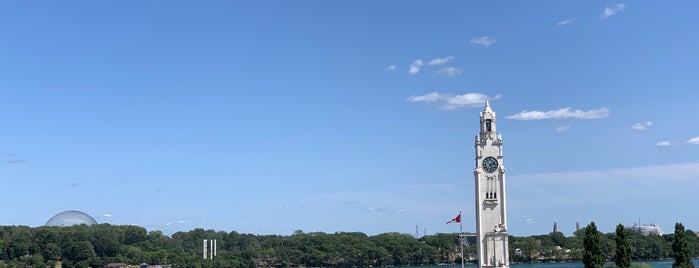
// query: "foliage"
[[623, 249], [592, 255], [97, 245], [680, 248]]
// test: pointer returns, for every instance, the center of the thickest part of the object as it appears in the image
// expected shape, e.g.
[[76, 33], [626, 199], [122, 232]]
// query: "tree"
[[592, 255], [623, 249], [680, 249]]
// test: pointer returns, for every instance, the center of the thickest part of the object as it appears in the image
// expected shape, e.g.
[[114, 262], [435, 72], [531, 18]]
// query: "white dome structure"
[[70, 218]]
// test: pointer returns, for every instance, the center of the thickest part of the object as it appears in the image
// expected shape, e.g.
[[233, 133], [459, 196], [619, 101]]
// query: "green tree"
[[680, 248], [623, 249], [592, 255]]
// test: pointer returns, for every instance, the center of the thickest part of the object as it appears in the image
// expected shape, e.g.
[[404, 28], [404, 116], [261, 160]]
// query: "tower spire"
[[487, 107]]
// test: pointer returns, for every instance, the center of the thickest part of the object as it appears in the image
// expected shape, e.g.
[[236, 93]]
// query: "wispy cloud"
[[388, 210], [694, 140], [447, 101], [664, 143], [449, 71], [642, 126], [561, 129], [439, 61], [564, 22], [486, 41], [390, 68], [107, 215], [525, 219], [563, 113], [415, 67], [612, 184], [349, 203], [610, 11], [17, 161]]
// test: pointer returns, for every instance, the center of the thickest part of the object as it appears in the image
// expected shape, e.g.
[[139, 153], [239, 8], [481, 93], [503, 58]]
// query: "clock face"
[[490, 164]]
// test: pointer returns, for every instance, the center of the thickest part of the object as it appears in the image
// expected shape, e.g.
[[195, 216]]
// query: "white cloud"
[[561, 129], [564, 22], [415, 67], [486, 41], [642, 126], [447, 101], [107, 215], [563, 113], [525, 219], [694, 140], [439, 61], [388, 210], [616, 183], [431, 97], [449, 71], [610, 11], [664, 143], [390, 68]]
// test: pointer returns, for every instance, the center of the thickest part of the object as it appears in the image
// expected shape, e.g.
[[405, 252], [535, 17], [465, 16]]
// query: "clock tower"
[[491, 212]]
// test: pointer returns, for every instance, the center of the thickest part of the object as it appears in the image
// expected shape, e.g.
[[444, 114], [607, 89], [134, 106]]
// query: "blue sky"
[[271, 116]]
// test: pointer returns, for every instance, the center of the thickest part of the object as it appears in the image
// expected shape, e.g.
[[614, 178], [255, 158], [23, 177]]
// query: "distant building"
[[647, 229], [70, 218]]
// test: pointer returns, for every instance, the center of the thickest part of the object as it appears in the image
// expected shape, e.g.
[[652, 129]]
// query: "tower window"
[[487, 125], [491, 191]]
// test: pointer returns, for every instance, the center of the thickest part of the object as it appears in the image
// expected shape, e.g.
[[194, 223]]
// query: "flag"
[[457, 219]]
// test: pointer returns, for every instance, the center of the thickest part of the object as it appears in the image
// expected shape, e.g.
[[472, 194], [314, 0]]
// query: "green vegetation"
[[97, 245], [623, 249], [592, 254], [680, 248]]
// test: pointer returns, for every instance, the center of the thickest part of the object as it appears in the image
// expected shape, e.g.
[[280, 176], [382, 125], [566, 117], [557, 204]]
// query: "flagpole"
[[461, 240]]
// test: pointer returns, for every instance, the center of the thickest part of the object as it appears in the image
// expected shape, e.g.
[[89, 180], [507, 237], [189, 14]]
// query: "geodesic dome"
[[70, 218]]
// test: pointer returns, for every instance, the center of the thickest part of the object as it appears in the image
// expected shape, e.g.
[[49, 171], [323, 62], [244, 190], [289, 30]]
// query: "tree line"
[[97, 245]]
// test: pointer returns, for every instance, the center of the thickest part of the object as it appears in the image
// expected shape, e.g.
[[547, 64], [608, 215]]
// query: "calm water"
[[653, 264]]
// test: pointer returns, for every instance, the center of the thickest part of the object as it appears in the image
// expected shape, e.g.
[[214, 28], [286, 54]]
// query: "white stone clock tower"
[[491, 212]]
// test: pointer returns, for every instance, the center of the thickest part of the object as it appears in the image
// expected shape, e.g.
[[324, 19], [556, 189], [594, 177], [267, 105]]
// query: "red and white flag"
[[457, 219]]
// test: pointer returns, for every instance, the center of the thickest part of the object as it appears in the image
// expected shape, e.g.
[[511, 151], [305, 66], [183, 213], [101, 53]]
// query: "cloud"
[[415, 67], [390, 68], [694, 140], [561, 129], [664, 143], [525, 219], [388, 210], [349, 203], [642, 126], [449, 71], [564, 22], [447, 101], [107, 215], [486, 41], [439, 61], [18, 161], [609, 185], [610, 11], [563, 113]]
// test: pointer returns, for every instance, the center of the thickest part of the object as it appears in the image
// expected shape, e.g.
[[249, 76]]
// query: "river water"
[[653, 264]]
